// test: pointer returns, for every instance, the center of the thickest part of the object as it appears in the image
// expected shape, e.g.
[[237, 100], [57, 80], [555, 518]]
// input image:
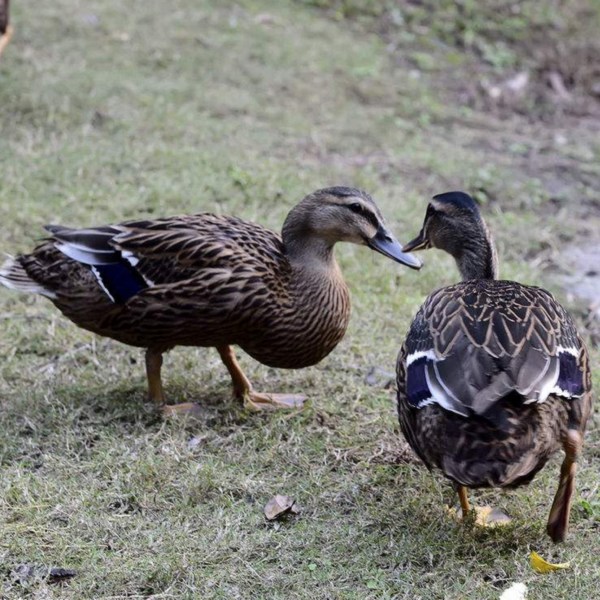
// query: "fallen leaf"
[[278, 506], [24, 573], [58, 574], [540, 565], [485, 516], [489, 516]]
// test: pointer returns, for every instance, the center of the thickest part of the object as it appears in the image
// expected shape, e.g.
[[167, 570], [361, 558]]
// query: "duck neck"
[[310, 253], [304, 249], [477, 258]]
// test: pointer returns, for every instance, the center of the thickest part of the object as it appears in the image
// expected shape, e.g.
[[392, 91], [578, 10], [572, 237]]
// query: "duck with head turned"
[[493, 377], [208, 280]]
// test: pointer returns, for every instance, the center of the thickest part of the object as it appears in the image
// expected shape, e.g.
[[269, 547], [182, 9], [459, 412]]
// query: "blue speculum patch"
[[570, 377], [417, 389], [121, 280]]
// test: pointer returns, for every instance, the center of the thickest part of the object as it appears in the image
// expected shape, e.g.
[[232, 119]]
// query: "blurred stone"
[[512, 87], [518, 83]]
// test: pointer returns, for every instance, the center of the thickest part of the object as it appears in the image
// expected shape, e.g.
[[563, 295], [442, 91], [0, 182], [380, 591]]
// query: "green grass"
[[109, 112]]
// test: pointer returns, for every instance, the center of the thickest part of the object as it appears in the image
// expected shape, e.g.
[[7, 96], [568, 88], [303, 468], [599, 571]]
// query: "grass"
[[110, 112]]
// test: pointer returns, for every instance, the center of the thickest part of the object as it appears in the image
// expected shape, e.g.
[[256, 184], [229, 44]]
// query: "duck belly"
[[294, 348]]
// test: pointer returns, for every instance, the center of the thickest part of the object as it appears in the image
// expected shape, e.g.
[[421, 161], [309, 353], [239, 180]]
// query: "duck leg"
[[463, 497], [5, 38], [242, 388], [558, 521], [156, 393], [486, 516]]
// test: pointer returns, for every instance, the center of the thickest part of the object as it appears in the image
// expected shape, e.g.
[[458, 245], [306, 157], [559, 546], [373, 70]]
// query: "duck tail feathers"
[[14, 276]]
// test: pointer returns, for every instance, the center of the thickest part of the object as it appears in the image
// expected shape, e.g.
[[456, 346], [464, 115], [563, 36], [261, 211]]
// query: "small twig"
[[13, 316]]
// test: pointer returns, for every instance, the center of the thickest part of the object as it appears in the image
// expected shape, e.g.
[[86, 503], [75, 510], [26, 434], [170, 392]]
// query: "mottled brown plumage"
[[208, 280], [493, 377]]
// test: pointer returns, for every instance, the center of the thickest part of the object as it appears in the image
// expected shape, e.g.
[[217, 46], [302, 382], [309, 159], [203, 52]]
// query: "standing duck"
[[208, 280], [493, 377]]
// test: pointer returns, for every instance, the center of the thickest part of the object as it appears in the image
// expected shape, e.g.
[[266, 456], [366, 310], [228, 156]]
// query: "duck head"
[[453, 223], [343, 214]]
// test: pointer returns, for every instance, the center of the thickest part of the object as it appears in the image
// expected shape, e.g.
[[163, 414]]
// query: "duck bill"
[[386, 244], [419, 243]]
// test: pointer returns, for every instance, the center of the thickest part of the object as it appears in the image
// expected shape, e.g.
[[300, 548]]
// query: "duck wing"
[[474, 343], [175, 254]]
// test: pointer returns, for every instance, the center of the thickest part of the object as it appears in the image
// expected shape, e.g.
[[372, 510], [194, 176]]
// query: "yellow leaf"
[[540, 565]]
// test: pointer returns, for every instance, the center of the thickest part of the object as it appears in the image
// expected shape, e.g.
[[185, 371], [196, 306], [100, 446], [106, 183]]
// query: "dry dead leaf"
[[540, 565], [58, 574], [280, 505], [24, 573], [485, 516]]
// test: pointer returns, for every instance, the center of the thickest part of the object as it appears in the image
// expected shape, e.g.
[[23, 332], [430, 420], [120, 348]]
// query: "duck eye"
[[356, 207]]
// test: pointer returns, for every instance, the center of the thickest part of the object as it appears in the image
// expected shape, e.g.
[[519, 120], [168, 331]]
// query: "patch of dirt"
[[579, 274], [532, 58], [575, 267]]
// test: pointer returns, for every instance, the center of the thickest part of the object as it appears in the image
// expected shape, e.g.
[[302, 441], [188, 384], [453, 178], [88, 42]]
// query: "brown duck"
[[208, 280], [493, 377]]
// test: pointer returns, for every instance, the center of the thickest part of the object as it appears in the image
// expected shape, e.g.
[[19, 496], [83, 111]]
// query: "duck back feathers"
[[473, 343]]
